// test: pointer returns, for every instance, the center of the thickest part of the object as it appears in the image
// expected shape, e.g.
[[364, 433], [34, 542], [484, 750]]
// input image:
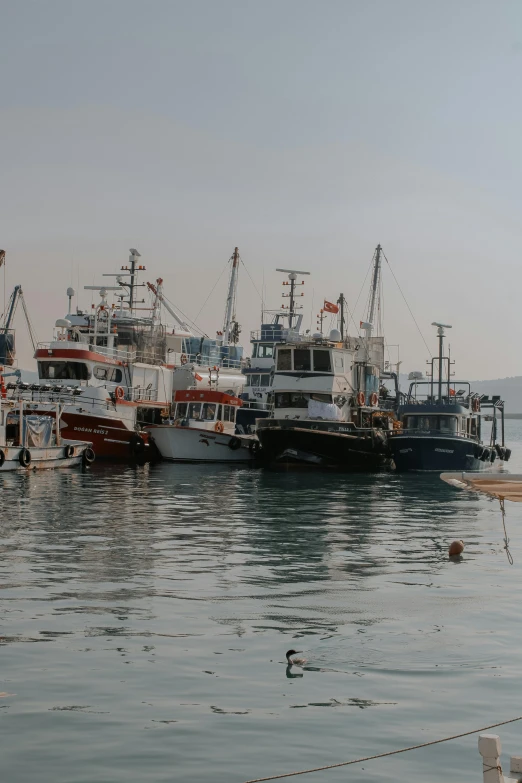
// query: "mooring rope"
[[382, 755], [506, 539]]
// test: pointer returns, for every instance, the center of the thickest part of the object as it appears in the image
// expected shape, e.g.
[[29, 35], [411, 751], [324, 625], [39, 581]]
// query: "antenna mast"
[[374, 290], [292, 307]]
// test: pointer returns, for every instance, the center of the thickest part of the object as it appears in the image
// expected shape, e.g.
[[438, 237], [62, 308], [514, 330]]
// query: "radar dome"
[[317, 336], [71, 292], [63, 323], [335, 336]]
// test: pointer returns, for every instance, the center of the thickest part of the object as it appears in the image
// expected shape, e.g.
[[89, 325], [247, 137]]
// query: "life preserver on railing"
[[119, 392], [361, 398], [164, 413], [218, 426], [475, 405], [24, 458], [374, 399], [183, 359]]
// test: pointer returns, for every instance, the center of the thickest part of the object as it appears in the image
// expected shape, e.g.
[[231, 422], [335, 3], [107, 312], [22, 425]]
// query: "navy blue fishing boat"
[[440, 423]]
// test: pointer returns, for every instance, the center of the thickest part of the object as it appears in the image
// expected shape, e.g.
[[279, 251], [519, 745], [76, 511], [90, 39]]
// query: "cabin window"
[[63, 371], [229, 413], [209, 411], [473, 427], [194, 410], [265, 351], [181, 410], [265, 380], [101, 373], [284, 359], [219, 416], [302, 359], [338, 362], [291, 400], [254, 379], [322, 361], [322, 398], [448, 424], [115, 375]]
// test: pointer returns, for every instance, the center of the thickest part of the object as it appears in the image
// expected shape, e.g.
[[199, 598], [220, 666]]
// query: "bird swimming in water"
[[294, 661]]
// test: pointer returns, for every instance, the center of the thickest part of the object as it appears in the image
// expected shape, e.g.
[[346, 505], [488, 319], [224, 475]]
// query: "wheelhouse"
[[207, 406]]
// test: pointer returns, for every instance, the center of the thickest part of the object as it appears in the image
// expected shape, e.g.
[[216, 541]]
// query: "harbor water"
[[146, 612]]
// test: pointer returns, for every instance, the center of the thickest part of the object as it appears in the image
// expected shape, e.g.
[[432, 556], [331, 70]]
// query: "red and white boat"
[[202, 429], [108, 368]]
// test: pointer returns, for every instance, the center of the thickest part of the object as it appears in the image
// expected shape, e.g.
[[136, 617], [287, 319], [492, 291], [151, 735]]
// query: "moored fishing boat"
[[440, 423], [202, 429], [330, 407], [31, 442]]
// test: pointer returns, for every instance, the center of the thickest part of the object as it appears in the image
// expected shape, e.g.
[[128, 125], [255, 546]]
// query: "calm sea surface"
[[145, 613]]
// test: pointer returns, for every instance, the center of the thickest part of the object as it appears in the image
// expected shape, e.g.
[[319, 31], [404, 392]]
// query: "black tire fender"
[[2, 458], [24, 458], [88, 456], [234, 444]]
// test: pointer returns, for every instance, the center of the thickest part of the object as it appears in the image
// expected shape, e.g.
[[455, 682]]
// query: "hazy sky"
[[303, 132]]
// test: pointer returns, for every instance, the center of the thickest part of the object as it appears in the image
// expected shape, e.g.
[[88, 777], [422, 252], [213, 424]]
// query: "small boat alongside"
[[32, 442], [440, 426], [203, 429]]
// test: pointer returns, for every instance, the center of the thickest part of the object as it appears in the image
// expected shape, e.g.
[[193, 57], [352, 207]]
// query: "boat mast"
[[230, 326], [134, 255], [341, 302], [440, 332], [374, 291], [292, 277]]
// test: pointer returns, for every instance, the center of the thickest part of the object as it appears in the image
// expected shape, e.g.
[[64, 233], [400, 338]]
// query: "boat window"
[[448, 424], [194, 410], [254, 351], [115, 375], [321, 397], [284, 359], [302, 359], [265, 380], [322, 361], [63, 371], [265, 351], [181, 410], [209, 411], [100, 373], [338, 362], [254, 379], [291, 400], [473, 427], [219, 412], [229, 413]]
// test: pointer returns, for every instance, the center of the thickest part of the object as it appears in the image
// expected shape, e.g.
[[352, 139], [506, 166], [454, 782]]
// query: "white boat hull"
[[43, 458], [189, 444]]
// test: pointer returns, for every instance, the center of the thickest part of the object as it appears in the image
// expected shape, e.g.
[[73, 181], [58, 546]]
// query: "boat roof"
[[429, 408], [206, 395]]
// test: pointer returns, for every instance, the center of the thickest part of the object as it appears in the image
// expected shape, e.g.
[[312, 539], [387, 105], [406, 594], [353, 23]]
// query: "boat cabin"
[[206, 409]]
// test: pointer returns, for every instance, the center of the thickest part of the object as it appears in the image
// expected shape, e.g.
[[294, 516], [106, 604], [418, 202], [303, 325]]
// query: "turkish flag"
[[330, 308]]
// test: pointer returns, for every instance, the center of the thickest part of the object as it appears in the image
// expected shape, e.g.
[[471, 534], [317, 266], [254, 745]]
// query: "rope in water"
[[506, 539], [382, 755]]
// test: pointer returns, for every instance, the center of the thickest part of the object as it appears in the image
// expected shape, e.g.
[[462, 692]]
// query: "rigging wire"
[[251, 279], [187, 319], [506, 539], [212, 291], [406, 303], [30, 327]]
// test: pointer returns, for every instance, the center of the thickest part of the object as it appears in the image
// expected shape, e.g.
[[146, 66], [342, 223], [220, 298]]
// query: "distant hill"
[[510, 390]]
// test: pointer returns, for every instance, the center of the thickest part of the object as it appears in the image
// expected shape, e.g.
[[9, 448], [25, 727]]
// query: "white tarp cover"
[[323, 410], [39, 431]]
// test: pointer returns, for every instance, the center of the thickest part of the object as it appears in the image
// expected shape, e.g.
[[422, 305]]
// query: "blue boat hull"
[[427, 453]]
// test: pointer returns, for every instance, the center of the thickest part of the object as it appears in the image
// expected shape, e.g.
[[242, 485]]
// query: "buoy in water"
[[456, 548]]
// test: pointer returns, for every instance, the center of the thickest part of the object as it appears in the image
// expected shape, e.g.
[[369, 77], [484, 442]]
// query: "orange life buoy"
[[120, 392], [218, 426], [360, 398], [374, 399], [183, 359]]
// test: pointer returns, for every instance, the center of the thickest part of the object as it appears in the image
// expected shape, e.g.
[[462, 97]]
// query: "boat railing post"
[[490, 749], [57, 418], [23, 433]]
